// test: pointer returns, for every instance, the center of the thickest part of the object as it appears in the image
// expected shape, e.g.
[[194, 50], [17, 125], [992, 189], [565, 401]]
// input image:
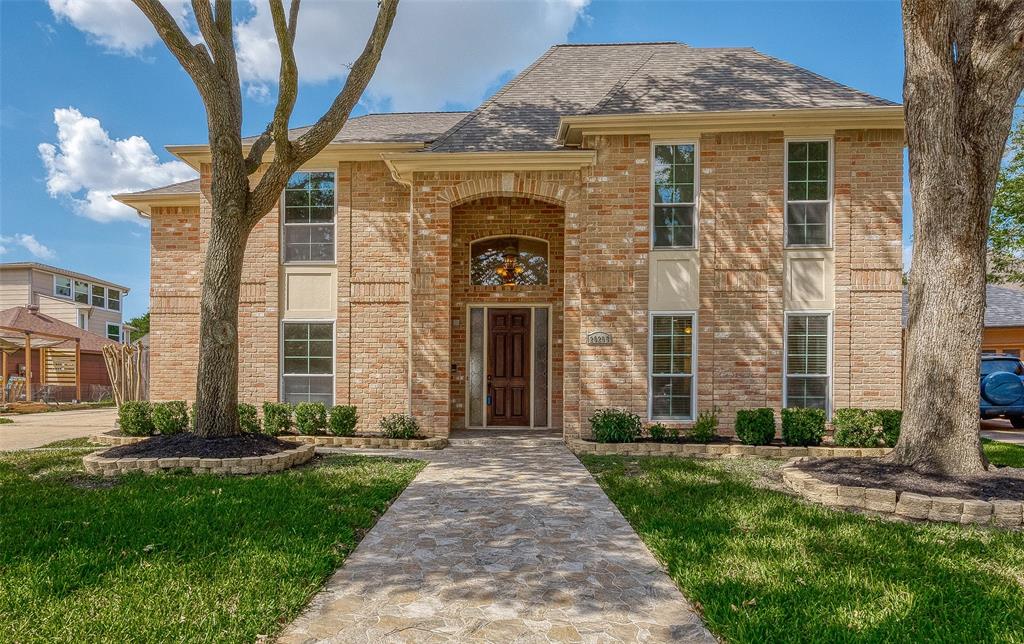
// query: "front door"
[[508, 367]]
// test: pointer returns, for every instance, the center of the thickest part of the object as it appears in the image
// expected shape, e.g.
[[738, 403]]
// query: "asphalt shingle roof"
[[396, 127], [24, 319], [638, 78], [183, 188], [1004, 306]]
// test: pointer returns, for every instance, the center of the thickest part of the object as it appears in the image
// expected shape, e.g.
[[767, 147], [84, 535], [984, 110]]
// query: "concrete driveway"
[[1000, 429], [34, 430]]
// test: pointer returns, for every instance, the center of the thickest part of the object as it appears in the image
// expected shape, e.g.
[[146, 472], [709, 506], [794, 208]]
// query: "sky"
[[89, 97]]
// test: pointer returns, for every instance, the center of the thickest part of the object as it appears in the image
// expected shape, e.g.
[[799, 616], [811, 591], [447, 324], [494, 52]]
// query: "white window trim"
[[828, 364], [88, 292], [334, 357], [696, 196], [106, 330], [281, 214], [119, 297], [650, 366], [830, 140], [107, 290], [71, 286]]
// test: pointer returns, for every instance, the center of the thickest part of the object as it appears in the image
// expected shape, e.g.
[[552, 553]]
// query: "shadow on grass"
[[763, 566], [176, 557]]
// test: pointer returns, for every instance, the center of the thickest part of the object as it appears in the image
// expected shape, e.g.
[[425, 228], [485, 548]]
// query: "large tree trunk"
[[962, 79]]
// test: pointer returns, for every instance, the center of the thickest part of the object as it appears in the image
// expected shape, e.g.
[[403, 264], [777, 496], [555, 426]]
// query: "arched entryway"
[[507, 290]]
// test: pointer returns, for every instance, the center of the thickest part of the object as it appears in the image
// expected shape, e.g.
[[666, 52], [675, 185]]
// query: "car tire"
[[1017, 422]]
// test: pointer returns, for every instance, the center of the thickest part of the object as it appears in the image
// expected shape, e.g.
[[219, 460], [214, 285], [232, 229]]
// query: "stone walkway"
[[502, 538]]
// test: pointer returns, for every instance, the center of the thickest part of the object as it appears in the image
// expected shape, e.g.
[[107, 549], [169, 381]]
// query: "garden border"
[[359, 442], [115, 440], [97, 463], [999, 513], [717, 450]]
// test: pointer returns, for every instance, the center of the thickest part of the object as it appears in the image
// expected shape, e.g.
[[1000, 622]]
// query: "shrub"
[[663, 433], [342, 421], [706, 426], [891, 419], [854, 427], [802, 427], [247, 419], [170, 417], [277, 418], [399, 426], [755, 426], [310, 418], [135, 418], [615, 426]]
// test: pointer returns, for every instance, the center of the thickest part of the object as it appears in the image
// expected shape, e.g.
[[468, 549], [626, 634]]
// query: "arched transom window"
[[509, 261]]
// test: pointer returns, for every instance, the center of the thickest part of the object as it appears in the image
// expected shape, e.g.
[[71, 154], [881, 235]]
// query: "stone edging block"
[[908, 505], [715, 450], [97, 463], [115, 440], [372, 442]]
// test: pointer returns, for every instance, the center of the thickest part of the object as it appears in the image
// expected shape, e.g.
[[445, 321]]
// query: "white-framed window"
[[61, 286], [307, 362], [99, 296], [808, 192], [308, 217], [114, 331], [81, 292], [808, 361], [113, 299], [674, 188], [83, 321], [672, 366]]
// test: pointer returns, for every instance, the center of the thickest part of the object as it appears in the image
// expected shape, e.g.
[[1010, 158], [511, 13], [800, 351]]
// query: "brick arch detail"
[[509, 186]]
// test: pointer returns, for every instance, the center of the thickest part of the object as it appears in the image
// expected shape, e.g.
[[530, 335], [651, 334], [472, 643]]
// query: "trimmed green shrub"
[[853, 427], [755, 426], [615, 426], [277, 418], [247, 418], [342, 421], [706, 426], [663, 433], [802, 427], [891, 420], [399, 426], [170, 417], [310, 418], [135, 418]]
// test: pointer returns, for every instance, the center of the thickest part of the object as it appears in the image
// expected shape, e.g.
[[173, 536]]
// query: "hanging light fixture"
[[510, 269]]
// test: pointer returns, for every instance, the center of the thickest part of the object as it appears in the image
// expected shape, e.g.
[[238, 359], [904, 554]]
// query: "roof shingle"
[[1004, 306]]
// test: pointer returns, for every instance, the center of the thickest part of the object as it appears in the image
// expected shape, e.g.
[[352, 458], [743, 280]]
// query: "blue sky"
[[101, 61]]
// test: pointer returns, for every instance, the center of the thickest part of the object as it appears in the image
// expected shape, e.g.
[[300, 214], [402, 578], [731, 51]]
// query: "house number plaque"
[[599, 337]]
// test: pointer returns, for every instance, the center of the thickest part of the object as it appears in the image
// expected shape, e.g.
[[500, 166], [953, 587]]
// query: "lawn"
[[172, 557], [762, 566], [1004, 453]]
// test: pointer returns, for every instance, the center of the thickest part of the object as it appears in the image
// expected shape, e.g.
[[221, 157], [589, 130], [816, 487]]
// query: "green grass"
[[71, 443], [1003, 453], [172, 557], [764, 567]]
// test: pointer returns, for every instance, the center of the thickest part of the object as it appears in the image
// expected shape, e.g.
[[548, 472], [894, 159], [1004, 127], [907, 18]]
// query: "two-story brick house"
[[649, 226]]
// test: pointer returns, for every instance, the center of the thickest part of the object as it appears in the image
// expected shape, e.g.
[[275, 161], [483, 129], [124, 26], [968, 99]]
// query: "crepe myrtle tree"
[[964, 74], [245, 185]]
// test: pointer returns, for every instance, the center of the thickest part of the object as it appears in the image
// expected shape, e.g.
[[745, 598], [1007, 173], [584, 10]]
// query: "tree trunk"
[[959, 92]]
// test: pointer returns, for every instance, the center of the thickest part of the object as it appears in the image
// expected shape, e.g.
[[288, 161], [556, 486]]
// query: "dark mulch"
[[998, 483], [689, 441], [189, 444]]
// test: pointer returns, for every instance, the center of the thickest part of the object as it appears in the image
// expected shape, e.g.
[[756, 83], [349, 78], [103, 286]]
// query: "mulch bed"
[[998, 483], [187, 444], [684, 440]]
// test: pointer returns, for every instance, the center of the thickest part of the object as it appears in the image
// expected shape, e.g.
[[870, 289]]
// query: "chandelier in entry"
[[510, 268]]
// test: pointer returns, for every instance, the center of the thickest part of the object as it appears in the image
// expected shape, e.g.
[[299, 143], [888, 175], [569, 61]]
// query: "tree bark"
[[963, 76]]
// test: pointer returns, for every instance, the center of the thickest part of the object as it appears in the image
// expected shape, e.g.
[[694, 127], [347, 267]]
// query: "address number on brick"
[[599, 337]]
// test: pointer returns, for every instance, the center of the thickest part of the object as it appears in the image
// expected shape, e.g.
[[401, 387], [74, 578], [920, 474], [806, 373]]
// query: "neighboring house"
[[1004, 319], [90, 303], [653, 227]]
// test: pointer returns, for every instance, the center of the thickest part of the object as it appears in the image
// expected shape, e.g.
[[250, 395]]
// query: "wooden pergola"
[[14, 339]]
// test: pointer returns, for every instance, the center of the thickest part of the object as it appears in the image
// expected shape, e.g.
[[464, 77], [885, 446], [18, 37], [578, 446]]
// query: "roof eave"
[[572, 129], [144, 203], [402, 166], [197, 154]]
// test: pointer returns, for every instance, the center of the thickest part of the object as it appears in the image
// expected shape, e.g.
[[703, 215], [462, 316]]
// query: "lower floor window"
[[672, 366], [114, 332], [807, 361], [308, 362]]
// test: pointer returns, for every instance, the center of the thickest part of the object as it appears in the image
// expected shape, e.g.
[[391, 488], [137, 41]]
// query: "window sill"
[[655, 249], [808, 247], [330, 263]]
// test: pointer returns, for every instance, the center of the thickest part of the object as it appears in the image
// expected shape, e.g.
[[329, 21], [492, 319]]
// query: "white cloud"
[[116, 25], [29, 243], [437, 53], [87, 167]]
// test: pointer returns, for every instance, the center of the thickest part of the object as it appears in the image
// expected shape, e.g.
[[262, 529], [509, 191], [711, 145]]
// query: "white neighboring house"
[[90, 303]]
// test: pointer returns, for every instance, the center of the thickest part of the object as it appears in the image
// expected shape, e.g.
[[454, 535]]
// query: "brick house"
[[648, 226]]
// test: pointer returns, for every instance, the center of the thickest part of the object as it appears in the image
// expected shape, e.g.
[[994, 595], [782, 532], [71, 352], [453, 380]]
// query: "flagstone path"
[[502, 538]]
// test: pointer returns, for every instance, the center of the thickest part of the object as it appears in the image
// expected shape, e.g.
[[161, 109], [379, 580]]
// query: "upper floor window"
[[309, 217], [61, 286], [99, 296], [81, 292], [509, 261], [674, 196], [808, 193], [113, 299]]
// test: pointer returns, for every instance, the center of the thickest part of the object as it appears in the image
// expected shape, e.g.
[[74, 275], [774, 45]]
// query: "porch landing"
[[504, 537]]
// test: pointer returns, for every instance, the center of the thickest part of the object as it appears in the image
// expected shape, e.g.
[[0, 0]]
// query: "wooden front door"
[[508, 367]]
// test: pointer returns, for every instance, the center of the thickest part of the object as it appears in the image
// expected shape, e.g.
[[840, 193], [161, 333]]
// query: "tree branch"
[[288, 83], [193, 59]]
